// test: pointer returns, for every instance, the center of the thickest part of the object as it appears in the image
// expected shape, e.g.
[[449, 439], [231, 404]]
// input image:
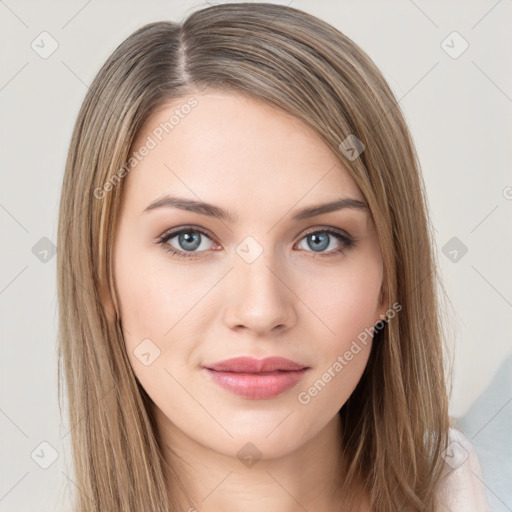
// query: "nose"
[[259, 299]]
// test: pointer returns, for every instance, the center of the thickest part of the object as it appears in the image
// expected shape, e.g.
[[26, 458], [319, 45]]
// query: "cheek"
[[160, 301], [151, 298], [346, 305], [139, 292], [345, 298], [152, 304]]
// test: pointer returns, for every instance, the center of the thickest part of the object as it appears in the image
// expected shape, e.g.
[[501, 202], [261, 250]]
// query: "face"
[[196, 288]]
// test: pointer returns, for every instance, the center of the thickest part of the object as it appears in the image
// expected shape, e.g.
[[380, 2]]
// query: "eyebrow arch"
[[217, 212]]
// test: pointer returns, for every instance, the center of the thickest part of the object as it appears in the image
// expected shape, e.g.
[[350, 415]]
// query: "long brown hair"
[[395, 424]]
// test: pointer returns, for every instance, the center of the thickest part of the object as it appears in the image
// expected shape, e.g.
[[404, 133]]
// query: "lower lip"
[[257, 386]]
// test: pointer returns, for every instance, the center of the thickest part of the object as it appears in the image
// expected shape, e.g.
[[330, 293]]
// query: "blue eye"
[[321, 240], [189, 240]]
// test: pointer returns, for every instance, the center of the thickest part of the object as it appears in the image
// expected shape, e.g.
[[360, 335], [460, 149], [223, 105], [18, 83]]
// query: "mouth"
[[256, 379], [253, 365]]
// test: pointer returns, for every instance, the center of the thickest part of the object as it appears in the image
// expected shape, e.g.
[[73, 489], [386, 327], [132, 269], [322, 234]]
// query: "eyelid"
[[178, 230], [328, 229]]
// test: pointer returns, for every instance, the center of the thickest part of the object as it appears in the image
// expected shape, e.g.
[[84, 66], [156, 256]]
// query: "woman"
[[213, 361]]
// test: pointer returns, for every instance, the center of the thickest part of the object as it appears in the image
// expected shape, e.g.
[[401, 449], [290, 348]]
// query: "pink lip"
[[252, 365], [255, 378]]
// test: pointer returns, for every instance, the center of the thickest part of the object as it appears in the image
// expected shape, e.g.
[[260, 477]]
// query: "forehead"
[[232, 148]]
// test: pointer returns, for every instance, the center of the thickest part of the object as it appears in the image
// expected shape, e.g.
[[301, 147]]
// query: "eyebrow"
[[217, 212]]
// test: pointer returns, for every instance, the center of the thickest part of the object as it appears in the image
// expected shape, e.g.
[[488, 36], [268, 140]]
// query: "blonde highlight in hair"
[[395, 424]]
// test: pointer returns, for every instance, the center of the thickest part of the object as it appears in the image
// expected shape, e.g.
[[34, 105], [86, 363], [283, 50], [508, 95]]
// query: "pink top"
[[461, 488]]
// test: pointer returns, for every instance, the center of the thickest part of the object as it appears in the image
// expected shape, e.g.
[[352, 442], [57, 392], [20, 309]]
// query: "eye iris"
[[318, 242], [189, 238]]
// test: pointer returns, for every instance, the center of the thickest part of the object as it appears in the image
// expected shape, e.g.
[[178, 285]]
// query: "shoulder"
[[461, 486]]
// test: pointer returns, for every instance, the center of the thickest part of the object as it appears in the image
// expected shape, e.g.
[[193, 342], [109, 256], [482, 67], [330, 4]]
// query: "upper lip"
[[252, 365]]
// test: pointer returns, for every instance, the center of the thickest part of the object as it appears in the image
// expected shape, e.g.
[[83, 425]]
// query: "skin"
[[293, 301]]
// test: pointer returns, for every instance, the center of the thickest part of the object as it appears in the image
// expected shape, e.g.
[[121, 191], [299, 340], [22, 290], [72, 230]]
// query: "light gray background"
[[458, 110]]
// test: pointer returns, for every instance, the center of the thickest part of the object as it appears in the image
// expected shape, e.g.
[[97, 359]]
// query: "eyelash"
[[347, 241]]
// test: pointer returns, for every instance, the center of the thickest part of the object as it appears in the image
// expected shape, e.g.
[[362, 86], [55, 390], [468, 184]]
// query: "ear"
[[383, 301]]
